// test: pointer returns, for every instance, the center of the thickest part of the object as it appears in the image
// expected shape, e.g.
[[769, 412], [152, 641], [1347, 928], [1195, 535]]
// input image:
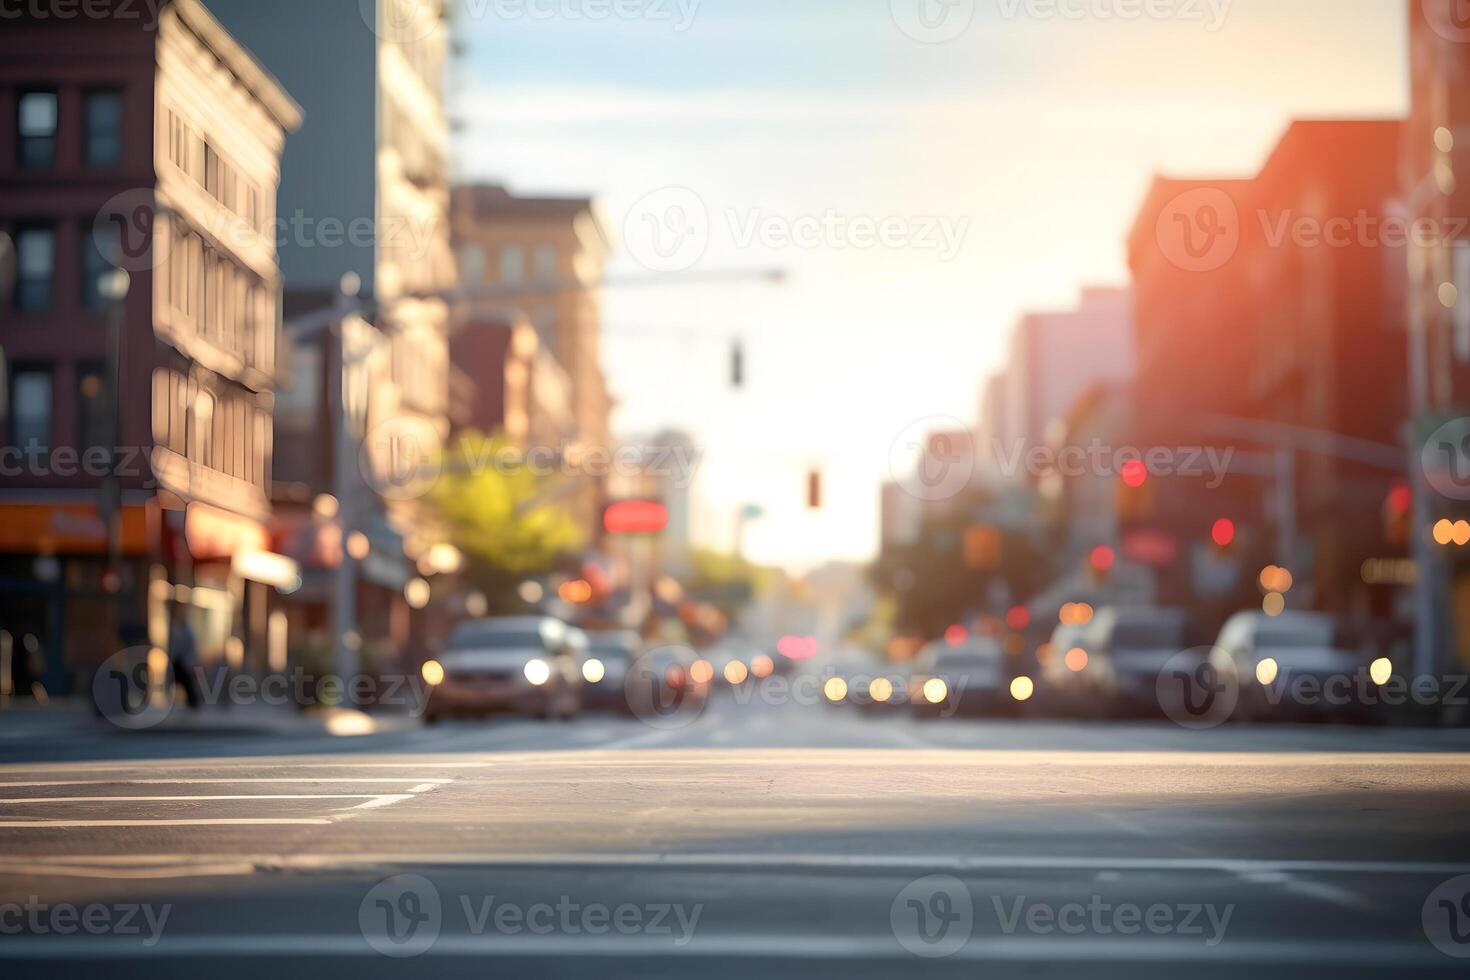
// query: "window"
[[472, 264], [31, 408], [37, 130], [543, 263], [35, 250], [103, 145], [99, 246], [512, 264], [92, 420]]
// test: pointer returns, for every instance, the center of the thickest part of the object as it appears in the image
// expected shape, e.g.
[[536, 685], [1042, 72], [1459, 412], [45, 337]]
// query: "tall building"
[[1056, 356], [1435, 181], [157, 150], [544, 257], [366, 195], [1326, 348]]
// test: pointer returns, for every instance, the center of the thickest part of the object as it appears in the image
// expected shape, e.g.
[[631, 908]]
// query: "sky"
[[1002, 164]]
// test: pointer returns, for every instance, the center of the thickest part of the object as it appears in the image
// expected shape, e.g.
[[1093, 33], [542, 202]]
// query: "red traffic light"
[[1103, 558], [635, 517], [1134, 473], [1223, 532]]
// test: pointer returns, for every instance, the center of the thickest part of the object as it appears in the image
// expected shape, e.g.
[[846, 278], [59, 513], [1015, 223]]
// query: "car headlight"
[[835, 689], [1266, 671], [538, 672], [880, 689], [593, 671], [433, 672], [935, 690]]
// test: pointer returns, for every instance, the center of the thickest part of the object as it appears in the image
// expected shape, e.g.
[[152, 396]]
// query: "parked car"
[[1129, 647], [971, 678], [610, 654], [1071, 684], [519, 664], [1292, 666]]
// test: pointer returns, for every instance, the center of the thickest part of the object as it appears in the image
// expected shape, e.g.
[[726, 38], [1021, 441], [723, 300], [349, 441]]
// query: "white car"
[[520, 664], [1289, 666]]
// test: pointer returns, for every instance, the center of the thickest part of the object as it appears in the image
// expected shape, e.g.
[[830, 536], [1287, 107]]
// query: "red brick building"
[[156, 148]]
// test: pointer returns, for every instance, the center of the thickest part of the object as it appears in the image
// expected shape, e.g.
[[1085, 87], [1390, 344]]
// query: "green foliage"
[[503, 517]]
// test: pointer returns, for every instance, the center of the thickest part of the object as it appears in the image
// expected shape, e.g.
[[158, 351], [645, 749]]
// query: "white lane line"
[[30, 784], [190, 799], [1401, 955], [426, 787], [381, 801], [1243, 867], [203, 822]]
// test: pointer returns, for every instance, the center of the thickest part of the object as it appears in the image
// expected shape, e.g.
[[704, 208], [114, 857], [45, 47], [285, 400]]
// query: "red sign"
[[635, 517]]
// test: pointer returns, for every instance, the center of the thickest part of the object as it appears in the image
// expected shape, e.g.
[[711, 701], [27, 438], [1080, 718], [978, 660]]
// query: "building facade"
[[365, 197], [156, 151]]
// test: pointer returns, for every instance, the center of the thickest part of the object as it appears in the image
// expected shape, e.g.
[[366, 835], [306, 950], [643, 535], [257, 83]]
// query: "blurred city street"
[[793, 829]]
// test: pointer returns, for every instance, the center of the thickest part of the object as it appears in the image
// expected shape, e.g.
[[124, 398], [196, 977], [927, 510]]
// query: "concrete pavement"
[[809, 838]]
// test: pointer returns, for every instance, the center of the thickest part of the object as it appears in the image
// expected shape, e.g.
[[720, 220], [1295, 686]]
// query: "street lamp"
[[112, 287]]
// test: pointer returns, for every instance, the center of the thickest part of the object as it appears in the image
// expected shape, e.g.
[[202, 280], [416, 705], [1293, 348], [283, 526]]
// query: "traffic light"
[[1398, 515], [1223, 534], [814, 490], [1135, 494], [737, 365]]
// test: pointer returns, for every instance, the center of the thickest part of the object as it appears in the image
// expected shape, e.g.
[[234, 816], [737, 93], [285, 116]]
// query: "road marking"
[[189, 799], [190, 782], [201, 822], [1248, 868], [380, 801]]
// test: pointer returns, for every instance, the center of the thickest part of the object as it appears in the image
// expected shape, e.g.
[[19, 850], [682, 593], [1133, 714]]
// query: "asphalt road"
[[785, 839]]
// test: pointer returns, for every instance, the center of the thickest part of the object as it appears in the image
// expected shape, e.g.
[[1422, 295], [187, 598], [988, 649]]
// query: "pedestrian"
[[183, 655]]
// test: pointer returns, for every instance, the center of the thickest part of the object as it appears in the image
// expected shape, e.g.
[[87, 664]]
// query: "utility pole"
[[113, 289], [345, 636]]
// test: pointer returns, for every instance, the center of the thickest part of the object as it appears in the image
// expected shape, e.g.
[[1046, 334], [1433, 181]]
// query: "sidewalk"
[[76, 717]]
